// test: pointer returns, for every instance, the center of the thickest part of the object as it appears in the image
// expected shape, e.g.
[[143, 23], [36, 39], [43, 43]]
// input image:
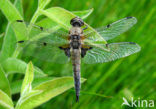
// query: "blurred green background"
[[131, 76]]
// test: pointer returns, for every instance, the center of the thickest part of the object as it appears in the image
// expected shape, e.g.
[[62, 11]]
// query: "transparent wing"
[[36, 31], [44, 51], [44, 44], [113, 30], [110, 52]]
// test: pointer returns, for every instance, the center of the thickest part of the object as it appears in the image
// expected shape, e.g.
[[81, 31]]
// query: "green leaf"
[[48, 23], [43, 3], [13, 65], [29, 76], [19, 7], [9, 44], [5, 101], [1, 35], [27, 96], [4, 83], [49, 90], [63, 17], [83, 14], [12, 15], [16, 85]]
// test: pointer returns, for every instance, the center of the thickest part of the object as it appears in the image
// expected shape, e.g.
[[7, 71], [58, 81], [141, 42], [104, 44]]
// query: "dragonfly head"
[[77, 22]]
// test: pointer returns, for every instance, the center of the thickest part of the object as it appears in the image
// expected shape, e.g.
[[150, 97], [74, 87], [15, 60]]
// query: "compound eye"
[[82, 23], [71, 22]]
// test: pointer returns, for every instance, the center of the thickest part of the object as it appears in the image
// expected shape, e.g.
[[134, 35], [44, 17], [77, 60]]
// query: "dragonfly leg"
[[84, 50], [85, 27], [36, 26], [66, 51]]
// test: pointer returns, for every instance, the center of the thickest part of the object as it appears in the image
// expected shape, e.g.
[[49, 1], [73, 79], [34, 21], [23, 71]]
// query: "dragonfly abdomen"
[[75, 56]]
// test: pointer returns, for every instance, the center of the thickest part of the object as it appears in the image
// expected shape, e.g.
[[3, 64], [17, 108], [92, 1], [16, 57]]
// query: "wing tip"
[[132, 43], [134, 18], [129, 17], [138, 46]]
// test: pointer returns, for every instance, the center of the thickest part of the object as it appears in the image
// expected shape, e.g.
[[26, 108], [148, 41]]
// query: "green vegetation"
[[106, 84]]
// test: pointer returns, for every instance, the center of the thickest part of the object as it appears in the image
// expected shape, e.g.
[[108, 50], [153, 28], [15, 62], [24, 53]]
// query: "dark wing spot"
[[90, 48], [20, 41], [107, 45], [84, 51], [19, 20], [44, 43], [108, 25], [129, 17], [132, 43], [61, 48], [66, 51], [41, 28]]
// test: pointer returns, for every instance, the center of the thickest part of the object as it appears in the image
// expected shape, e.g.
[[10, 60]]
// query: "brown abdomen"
[[76, 56]]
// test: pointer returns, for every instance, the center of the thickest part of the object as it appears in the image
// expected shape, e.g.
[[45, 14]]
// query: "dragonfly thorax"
[[75, 37], [75, 34], [77, 31], [75, 42]]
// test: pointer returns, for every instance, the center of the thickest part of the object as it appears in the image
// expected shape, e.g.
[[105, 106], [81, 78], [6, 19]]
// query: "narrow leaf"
[[19, 7], [13, 65], [9, 40], [83, 14], [12, 15], [8, 46], [1, 35], [48, 23], [43, 3], [29, 75], [49, 90], [4, 83], [63, 17], [16, 85], [25, 97], [5, 100]]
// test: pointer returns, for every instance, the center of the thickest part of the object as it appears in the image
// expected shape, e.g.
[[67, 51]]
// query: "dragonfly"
[[78, 46]]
